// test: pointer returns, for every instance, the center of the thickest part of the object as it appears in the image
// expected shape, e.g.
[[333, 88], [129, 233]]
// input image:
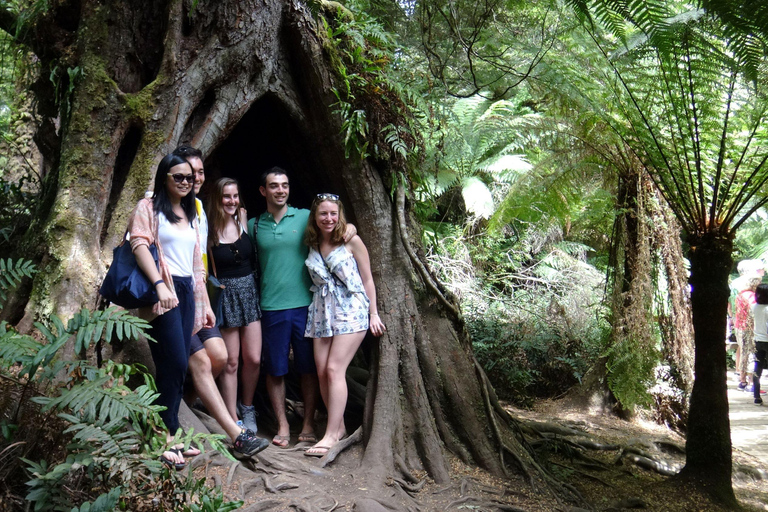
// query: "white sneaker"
[[248, 415]]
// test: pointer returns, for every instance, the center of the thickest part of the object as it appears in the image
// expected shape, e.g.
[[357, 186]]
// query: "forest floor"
[[608, 478]]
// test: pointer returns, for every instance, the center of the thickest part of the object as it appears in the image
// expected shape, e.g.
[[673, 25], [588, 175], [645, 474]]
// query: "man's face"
[[276, 190], [199, 171]]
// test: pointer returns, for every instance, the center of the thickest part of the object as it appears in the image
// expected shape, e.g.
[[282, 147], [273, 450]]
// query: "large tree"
[[252, 85], [692, 113]]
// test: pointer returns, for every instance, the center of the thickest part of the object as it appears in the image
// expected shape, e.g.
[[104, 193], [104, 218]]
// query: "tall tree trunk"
[[249, 83], [708, 446]]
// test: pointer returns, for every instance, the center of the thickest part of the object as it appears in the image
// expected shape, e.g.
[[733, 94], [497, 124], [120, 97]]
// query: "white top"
[[178, 246], [760, 314]]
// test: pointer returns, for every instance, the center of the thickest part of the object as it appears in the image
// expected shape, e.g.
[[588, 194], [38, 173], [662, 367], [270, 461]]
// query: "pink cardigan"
[[143, 229]]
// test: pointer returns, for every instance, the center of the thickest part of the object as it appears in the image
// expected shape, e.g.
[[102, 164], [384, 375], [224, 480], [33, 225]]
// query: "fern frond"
[[101, 400], [12, 272]]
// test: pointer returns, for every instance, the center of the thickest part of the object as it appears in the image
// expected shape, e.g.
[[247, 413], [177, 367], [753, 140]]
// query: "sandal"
[[307, 437], [178, 466], [189, 452], [281, 441], [317, 451]]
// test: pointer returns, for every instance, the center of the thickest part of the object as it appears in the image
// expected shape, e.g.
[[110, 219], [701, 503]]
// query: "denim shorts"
[[281, 330]]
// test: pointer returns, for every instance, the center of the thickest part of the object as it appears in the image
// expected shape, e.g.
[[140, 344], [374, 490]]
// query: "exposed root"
[[342, 445], [407, 487], [474, 503], [232, 470], [262, 505], [424, 272], [644, 462]]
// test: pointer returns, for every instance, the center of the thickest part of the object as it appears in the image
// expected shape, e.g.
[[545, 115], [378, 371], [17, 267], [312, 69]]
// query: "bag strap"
[[213, 262]]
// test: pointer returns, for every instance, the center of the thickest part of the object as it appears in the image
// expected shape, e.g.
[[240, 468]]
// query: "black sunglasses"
[[236, 254], [327, 197], [179, 178]]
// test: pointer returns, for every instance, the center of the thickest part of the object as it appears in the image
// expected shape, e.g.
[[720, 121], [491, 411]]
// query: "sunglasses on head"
[[327, 197], [179, 178]]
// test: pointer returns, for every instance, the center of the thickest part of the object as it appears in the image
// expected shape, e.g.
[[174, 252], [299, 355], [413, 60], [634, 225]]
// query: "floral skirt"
[[239, 301]]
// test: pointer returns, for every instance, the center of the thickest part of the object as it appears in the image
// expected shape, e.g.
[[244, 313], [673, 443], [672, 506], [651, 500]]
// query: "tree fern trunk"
[[708, 446]]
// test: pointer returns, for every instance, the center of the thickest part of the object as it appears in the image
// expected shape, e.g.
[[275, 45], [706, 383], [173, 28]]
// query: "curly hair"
[[312, 234]]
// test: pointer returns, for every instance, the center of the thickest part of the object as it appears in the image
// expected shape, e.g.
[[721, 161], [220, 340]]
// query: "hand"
[[210, 318], [350, 233], [167, 300], [377, 326]]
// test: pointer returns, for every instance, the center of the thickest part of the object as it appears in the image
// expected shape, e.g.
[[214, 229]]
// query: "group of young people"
[[750, 325], [293, 278]]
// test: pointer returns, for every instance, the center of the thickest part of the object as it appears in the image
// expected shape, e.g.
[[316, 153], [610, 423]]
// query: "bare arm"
[[359, 251], [350, 233]]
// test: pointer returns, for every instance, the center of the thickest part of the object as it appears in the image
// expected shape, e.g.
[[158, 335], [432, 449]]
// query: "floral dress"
[[339, 304]]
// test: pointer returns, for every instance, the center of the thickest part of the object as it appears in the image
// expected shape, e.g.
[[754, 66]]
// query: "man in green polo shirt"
[[285, 298]]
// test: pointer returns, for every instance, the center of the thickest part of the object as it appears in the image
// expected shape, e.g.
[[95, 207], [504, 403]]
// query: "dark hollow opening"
[[265, 137]]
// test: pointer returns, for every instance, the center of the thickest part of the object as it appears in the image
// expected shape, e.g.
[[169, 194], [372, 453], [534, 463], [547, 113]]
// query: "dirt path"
[[749, 422]]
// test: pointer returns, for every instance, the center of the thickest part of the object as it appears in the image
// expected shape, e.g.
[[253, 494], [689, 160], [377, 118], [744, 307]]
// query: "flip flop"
[[307, 437], [178, 466], [319, 451], [281, 441], [189, 452]]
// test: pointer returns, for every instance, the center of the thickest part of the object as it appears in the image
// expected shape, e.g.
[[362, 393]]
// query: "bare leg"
[[200, 368], [309, 394], [228, 378], [250, 337], [276, 391], [322, 350], [342, 350], [217, 353]]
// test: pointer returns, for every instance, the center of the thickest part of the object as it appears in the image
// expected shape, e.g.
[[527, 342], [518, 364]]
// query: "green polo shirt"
[[285, 281]]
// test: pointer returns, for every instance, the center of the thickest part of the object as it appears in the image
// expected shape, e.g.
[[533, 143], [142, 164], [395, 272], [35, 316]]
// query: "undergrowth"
[[78, 437]]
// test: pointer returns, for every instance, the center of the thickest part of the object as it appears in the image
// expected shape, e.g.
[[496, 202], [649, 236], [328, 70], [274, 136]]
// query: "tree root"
[[342, 445], [469, 502], [262, 505], [424, 272], [644, 462]]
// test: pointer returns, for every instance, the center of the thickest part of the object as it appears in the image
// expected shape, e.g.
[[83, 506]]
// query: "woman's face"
[[230, 199], [327, 216], [178, 189]]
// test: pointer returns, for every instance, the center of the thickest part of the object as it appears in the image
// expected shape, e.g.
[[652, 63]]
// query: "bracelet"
[[157, 282], [373, 314]]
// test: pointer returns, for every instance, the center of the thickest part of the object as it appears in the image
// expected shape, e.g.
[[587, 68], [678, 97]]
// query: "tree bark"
[[708, 445], [249, 84]]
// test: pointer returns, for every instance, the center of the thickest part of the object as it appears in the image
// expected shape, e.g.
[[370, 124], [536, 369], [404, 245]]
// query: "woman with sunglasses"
[[343, 308], [168, 220], [233, 259]]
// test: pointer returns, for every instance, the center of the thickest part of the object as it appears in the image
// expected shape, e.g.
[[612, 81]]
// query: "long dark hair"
[[217, 218], [160, 200], [761, 294]]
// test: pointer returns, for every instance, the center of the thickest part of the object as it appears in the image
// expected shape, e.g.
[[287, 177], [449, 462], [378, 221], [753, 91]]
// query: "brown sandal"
[[281, 441]]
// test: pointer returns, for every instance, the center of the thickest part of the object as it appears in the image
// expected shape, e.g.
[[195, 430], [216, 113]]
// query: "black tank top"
[[234, 260]]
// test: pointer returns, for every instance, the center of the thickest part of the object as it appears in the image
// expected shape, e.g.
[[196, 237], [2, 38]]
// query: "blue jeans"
[[173, 332]]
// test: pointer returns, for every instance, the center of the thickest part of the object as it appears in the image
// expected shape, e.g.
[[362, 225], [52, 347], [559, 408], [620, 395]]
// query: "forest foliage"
[[509, 124]]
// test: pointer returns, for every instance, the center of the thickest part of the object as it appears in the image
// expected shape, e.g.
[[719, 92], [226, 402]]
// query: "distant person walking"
[[744, 326], [760, 314]]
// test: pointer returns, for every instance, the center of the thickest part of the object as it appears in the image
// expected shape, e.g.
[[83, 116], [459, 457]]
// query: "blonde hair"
[[312, 234], [217, 217]]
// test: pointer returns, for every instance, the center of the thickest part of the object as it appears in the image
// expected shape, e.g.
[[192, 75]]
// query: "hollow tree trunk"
[[249, 84], [708, 445]]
